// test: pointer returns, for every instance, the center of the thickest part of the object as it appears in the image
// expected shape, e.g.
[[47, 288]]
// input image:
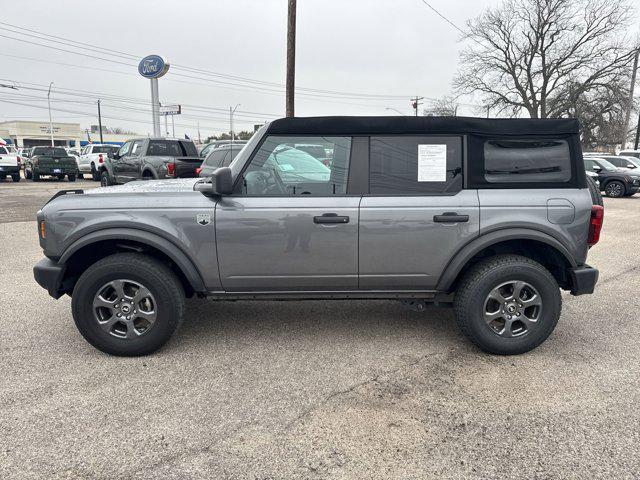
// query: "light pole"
[[395, 110], [231, 112], [50, 122]]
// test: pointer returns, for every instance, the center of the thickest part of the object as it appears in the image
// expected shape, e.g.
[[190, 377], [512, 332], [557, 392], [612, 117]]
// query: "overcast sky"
[[378, 47]]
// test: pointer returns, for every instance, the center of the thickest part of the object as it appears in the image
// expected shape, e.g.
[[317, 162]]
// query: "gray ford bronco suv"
[[491, 216]]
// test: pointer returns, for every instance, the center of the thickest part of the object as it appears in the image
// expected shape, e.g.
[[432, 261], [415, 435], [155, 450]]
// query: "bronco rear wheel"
[[128, 304], [508, 304]]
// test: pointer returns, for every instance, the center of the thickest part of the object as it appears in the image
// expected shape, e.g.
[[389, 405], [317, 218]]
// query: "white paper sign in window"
[[432, 163]]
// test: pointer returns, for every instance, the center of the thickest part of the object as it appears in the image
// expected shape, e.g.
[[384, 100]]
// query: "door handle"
[[331, 218], [450, 217]]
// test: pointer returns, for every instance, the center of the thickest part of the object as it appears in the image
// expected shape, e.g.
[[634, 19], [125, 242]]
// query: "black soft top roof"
[[422, 125]]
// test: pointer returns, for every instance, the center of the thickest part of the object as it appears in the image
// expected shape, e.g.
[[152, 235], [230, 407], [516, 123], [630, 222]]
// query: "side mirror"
[[631, 165], [221, 183], [596, 168]]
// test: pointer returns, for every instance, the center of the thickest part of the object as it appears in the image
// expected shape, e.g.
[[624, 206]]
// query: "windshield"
[[249, 147], [606, 164], [291, 159]]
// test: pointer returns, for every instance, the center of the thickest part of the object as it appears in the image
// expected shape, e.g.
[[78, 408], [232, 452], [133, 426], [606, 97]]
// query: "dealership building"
[[30, 134]]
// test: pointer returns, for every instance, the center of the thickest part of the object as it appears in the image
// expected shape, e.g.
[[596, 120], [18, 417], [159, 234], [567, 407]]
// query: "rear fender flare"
[[467, 252]]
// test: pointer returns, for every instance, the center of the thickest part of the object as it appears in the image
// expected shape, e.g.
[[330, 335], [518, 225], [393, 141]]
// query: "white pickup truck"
[[10, 163], [93, 156]]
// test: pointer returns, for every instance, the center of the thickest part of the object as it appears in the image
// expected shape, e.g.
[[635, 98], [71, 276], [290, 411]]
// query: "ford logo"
[[153, 66]]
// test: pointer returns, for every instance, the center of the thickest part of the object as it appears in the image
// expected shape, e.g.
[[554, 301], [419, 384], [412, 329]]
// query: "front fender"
[[170, 249]]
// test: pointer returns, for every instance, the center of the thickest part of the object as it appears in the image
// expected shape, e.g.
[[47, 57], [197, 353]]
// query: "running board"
[[324, 295]]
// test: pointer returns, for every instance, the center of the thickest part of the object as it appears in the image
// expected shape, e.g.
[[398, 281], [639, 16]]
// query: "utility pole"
[[199, 140], [173, 127], [635, 145], [100, 121], [231, 112], [623, 140], [415, 103], [50, 122], [291, 59]]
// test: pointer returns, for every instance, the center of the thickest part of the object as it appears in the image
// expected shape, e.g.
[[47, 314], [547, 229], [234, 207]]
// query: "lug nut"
[[128, 317], [117, 314]]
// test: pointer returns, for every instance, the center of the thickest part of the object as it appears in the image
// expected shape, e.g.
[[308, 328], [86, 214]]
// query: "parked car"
[[630, 153], [218, 157], [151, 159], [93, 157], [614, 181], [206, 150], [491, 215], [10, 163], [630, 163], [50, 161]]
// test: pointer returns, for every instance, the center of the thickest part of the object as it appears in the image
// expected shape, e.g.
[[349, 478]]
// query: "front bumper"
[[49, 276], [9, 170], [583, 279]]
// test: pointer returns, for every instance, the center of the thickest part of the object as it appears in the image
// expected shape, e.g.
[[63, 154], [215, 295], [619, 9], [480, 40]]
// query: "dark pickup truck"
[[50, 161], [150, 159]]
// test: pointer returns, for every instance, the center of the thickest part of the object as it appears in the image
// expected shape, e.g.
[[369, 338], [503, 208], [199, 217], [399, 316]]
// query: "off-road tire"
[[3, 177], [95, 174], [71, 177], [596, 196], [80, 175], [28, 174], [474, 288], [159, 279], [15, 177], [614, 189], [36, 176]]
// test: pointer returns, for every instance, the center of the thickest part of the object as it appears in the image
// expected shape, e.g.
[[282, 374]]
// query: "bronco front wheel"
[[128, 304]]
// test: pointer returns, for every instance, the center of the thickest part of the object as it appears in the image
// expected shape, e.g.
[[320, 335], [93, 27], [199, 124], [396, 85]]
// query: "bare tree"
[[446, 106], [544, 57]]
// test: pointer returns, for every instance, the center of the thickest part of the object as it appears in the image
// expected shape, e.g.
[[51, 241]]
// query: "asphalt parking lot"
[[347, 389]]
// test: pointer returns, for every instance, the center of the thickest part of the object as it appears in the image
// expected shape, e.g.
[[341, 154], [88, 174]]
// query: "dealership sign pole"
[[153, 67]]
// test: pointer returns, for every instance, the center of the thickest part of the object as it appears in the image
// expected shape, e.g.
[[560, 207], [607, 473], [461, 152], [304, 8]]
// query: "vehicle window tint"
[[526, 161], [589, 164], [415, 164], [3, 151], [279, 167], [215, 158], [189, 148], [124, 149], [104, 149], [136, 148]]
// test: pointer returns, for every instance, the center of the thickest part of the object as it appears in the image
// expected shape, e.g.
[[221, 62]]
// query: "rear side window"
[[3, 151], [171, 148], [527, 161], [418, 165]]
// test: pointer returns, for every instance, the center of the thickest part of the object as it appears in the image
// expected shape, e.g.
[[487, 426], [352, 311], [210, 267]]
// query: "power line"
[[128, 56]]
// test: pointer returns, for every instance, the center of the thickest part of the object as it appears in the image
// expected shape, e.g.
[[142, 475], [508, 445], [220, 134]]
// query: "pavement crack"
[[353, 387]]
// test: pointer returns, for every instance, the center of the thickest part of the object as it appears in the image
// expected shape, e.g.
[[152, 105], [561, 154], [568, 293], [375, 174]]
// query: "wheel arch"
[[533, 244], [99, 244]]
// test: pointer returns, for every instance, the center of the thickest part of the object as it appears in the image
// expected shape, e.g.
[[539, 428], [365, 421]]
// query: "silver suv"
[[491, 216]]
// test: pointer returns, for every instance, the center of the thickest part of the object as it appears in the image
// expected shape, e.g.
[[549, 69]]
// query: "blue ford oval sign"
[[153, 66]]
